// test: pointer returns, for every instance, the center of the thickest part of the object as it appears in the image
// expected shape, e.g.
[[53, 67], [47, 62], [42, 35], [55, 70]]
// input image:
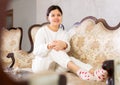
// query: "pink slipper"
[[100, 74], [85, 75]]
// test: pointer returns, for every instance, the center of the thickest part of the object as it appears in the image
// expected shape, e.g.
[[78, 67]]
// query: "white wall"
[[24, 15], [75, 10], [28, 12]]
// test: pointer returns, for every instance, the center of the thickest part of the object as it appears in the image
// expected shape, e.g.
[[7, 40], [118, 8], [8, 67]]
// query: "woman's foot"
[[85, 75], [100, 74]]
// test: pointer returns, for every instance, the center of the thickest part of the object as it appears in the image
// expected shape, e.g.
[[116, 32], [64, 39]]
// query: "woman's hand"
[[50, 45], [57, 45]]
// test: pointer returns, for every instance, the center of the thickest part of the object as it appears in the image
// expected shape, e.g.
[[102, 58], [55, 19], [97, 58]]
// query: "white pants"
[[59, 57]]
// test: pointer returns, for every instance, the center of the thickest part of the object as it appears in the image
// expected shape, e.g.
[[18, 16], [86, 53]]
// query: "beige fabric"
[[9, 42], [93, 43], [23, 59], [33, 32], [10, 39]]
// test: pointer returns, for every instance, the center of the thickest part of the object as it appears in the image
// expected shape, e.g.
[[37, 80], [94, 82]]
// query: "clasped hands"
[[57, 45]]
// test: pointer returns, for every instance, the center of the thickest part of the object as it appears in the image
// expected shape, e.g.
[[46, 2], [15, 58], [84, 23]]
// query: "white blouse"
[[45, 36]]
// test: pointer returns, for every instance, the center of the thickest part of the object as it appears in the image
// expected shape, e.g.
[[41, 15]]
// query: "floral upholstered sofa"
[[11, 41], [92, 41]]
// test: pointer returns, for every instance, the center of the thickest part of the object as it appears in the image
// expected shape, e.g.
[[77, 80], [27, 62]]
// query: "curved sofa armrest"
[[11, 55]]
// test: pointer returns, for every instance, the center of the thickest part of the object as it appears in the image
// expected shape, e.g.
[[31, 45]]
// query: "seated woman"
[[52, 44]]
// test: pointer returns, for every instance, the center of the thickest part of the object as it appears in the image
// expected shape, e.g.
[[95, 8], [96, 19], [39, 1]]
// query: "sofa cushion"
[[23, 59]]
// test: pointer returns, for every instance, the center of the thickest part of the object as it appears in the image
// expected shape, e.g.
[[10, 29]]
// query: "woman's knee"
[[54, 52]]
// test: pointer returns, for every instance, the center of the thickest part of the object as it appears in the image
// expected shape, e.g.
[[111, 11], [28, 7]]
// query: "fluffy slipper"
[[100, 75], [85, 75]]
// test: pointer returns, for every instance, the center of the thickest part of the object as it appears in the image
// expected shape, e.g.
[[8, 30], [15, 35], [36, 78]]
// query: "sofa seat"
[[23, 59]]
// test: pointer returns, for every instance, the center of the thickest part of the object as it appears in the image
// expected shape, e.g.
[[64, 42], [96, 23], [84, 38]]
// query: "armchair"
[[11, 40]]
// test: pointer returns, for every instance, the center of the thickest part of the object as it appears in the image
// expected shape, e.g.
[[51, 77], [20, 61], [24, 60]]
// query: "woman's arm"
[[66, 39], [62, 43], [40, 47]]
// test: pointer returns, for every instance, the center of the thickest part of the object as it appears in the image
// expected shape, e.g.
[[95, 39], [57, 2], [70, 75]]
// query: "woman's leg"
[[61, 58], [41, 64], [73, 67], [84, 71], [80, 64], [99, 74], [67, 62]]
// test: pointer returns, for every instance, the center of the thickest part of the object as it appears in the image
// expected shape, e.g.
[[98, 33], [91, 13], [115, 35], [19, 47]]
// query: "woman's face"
[[55, 17]]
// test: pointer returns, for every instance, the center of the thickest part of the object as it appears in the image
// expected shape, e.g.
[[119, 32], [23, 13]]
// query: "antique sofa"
[[11, 40], [92, 41]]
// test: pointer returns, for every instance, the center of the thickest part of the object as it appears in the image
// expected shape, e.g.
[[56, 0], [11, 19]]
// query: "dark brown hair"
[[53, 7]]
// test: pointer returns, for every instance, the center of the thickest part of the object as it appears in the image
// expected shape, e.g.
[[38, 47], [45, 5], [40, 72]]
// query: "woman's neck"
[[53, 27]]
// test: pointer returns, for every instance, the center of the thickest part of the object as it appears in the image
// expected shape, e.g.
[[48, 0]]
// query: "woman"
[[52, 44]]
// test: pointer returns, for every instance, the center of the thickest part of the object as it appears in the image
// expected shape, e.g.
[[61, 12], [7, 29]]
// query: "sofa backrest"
[[94, 41], [11, 40], [32, 32]]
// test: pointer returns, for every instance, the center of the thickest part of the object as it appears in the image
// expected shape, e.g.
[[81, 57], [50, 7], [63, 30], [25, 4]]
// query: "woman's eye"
[[59, 15], [53, 15]]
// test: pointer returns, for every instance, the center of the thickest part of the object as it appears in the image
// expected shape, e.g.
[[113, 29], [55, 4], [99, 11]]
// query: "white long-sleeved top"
[[45, 36]]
